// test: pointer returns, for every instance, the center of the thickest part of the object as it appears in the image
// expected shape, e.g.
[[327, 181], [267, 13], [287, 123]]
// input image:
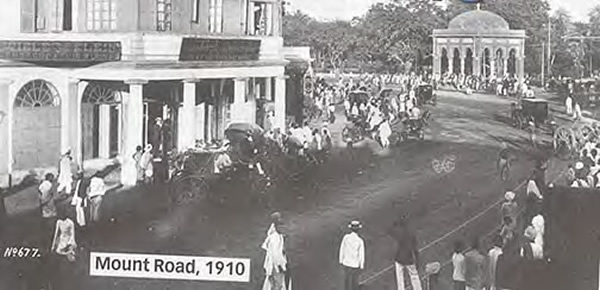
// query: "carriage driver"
[[249, 152]]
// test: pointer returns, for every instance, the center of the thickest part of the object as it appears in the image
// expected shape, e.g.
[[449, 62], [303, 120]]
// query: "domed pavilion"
[[479, 43]]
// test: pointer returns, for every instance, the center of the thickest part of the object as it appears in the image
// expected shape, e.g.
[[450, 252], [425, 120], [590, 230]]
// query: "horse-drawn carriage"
[[199, 173], [532, 111]]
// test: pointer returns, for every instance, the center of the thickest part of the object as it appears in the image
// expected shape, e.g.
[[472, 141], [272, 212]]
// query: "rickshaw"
[[531, 110]]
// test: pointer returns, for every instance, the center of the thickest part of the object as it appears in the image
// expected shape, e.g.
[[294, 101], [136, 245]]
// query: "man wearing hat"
[[580, 176], [352, 256]]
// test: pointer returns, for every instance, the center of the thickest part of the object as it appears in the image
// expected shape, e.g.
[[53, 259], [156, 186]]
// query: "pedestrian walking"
[[492, 262], [147, 162], [458, 263], [79, 200], [474, 267], [96, 193], [63, 249], [569, 105], [65, 173], [407, 254], [503, 162], [507, 230], [510, 207], [137, 157], [48, 207], [275, 264], [577, 112], [534, 198], [352, 256]]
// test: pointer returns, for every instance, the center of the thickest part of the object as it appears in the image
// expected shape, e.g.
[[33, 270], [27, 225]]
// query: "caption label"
[[170, 267]]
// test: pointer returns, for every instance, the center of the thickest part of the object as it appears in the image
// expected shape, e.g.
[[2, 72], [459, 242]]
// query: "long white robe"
[[275, 258]]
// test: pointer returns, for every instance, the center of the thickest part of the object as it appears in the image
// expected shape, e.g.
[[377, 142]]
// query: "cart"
[[425, 95], [534, 111], [195, 175]]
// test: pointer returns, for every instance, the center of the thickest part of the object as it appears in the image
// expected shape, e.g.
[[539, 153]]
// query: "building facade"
[[93, 75], [479, 43]]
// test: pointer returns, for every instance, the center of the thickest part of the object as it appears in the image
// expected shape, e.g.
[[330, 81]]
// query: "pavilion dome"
[[478, 21]]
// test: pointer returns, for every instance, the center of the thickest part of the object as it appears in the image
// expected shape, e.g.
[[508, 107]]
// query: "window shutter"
[[28, 15]]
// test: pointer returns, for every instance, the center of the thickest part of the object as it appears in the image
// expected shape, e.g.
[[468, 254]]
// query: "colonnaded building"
[[93, 75], [479, 43]]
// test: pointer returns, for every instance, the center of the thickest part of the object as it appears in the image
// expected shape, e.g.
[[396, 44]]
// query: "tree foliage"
[[396, 36]]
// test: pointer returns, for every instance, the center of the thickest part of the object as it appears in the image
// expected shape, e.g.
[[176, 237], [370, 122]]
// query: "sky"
[[346, 9]]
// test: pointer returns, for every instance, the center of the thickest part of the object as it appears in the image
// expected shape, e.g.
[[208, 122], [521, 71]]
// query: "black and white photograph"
[[300, 144]]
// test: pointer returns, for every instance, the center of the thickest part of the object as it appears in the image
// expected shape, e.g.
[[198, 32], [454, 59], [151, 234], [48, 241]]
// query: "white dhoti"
[[79, 204]]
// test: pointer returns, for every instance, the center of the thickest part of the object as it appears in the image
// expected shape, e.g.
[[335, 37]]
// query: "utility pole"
[[549, 53], [543, 63]]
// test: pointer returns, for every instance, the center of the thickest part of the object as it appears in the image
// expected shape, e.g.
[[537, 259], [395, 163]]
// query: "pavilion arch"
[[444, 60], [511, 64], [456, 61], [468, 61], [486, 62], [36, 130], [500, 59]]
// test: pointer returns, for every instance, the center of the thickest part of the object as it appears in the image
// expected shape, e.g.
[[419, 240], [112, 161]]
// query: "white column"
[[104, 131], [5, 131], [238, 113], [199, 121], [269, 89], [77, 145], [133, 126], [75, 16], [280, 103], [492, 68], [463, 63], [451, 65], [250, 25], [187, 116]]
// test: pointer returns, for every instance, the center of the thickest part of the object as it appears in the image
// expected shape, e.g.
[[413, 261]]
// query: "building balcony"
[[150, 46]]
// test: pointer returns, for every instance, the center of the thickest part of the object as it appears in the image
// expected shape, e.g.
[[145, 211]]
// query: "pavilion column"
[[280, 103], [238, 113], [505, 66], [520, 68], [451, 65], [71, 127], [492, 68], [437, 65], [187, 117], [133, 119], [476, 66], [463, 64]]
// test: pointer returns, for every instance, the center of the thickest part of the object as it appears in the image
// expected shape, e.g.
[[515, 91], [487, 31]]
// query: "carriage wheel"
[[189, 188]]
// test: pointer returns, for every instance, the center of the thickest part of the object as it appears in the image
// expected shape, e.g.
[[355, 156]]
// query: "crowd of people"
[[70, 205]]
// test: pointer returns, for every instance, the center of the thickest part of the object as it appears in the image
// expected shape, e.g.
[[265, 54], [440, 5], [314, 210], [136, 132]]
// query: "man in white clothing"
[[96, 192], [65, 173], [275, 264], [352, 256]]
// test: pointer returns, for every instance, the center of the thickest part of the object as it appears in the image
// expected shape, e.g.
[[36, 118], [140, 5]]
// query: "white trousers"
[[412, 273]]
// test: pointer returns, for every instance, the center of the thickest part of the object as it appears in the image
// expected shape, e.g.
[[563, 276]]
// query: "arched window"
[[37, 93], [101, 94]]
